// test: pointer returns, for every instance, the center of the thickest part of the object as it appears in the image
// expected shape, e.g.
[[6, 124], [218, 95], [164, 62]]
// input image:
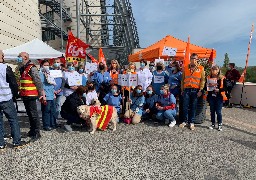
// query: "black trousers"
[[31, 109]]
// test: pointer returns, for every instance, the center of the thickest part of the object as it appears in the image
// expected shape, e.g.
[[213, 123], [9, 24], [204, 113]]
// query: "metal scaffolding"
[[51, 26], [117, 28]]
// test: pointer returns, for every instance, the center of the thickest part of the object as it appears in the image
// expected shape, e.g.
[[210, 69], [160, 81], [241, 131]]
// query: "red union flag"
[[76, 49], [101, 57]]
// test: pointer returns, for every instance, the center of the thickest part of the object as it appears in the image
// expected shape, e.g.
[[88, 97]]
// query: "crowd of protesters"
[[155, 98]]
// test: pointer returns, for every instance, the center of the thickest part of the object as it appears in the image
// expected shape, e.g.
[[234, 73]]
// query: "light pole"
[[61, 24], [78, 17]]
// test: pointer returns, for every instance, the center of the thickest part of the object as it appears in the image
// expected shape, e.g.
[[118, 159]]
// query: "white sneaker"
[[68, 128], [212, 126], [172, 124]]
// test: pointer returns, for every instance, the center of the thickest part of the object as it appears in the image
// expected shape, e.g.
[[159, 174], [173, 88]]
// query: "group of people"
[[155, 97]]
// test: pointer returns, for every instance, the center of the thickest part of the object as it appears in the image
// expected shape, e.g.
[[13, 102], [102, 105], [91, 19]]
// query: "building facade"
[[19, 22]]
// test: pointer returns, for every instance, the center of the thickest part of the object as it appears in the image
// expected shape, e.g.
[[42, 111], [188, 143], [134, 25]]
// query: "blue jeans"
[[216, 104], [10, 112], [48, 114], [58, 105], [169, 114], [189, 105]]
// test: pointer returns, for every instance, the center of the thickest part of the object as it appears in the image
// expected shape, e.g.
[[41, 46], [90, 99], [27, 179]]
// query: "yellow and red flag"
[[102, 56], [76, 49], [105, 117]]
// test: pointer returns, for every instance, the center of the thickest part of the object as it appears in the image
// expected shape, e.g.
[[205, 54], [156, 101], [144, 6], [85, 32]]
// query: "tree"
[[226, 63]]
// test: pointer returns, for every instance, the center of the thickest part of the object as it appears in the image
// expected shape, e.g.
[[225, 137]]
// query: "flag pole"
[[246, 65]]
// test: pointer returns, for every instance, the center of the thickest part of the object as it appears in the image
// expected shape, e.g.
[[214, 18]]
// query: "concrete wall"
[[19, 22]]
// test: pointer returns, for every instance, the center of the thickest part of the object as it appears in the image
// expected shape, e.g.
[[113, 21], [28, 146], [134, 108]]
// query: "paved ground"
[[142, 151]]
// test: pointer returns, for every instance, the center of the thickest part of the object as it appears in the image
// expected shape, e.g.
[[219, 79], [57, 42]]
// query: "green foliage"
[[226, 61], [207, 66], [250, 75]]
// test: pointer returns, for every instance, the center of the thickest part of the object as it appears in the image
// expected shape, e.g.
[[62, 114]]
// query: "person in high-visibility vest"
[[192, 85], [216, 87], [30, 89]]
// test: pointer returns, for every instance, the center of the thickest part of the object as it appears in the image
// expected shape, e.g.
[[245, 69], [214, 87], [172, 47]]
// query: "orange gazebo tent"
[[155, 51]]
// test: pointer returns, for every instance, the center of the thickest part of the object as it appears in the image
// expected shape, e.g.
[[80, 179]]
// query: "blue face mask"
[[19, 59], [84, 95], [71, 68], [149, 92], [56, 64], [81, 70], [113, 91], [138, 91], [161, 91], [142, 65], [173, 68]]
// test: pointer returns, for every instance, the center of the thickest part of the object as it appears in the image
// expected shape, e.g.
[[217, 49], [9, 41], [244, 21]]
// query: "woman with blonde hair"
[[114, 70], [216, 86]]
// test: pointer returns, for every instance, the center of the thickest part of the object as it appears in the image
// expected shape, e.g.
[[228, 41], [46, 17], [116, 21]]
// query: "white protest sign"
[[56, 73], [169, 51], [133, 80], [75, 80], [213, 82], [159, 61], [91, 67], [158, 79], [128, 80]]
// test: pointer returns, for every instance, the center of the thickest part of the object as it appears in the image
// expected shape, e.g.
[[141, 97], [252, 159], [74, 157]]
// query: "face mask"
[[71, 68], [142, 65], [149, 92], [19, 59], [81, 70], [161, 91], [173, 68], [113, 91], [138, 91], [159, 68], [84, 95], [151, 67], [90, 88], [56, 64], [46, 68], [101, 67]]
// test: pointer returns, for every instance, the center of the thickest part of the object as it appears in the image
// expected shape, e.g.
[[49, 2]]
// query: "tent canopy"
[[36, 49], [155, 51]]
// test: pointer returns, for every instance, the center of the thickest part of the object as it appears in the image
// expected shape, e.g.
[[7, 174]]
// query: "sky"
[[224, 25]]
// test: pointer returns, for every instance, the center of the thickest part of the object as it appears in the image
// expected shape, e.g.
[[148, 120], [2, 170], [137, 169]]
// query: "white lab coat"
[[144, 78]]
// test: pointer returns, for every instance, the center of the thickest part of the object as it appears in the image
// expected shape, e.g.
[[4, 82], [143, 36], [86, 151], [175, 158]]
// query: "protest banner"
[[128, 80], [56, 73], [169, 51]]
